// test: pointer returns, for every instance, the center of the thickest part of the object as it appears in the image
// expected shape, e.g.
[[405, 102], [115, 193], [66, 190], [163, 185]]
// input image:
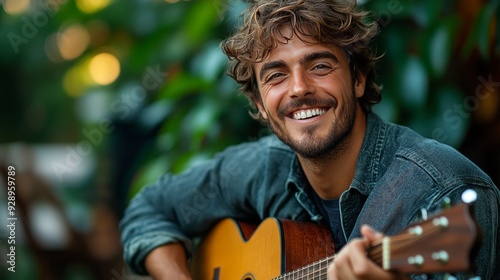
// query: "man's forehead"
[[299, 51]]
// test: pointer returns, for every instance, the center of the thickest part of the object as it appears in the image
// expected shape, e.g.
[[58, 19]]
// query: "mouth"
[[308, 113]]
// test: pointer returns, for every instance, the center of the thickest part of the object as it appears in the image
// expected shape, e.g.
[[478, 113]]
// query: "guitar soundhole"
[[248, 276]]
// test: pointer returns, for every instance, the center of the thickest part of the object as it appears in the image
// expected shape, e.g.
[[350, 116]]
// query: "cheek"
[[272, 98], [337, 87]]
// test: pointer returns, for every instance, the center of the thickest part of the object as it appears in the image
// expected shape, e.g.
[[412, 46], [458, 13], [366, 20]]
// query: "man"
[[307, 68]]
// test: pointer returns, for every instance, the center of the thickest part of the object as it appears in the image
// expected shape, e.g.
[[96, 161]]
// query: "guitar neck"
[[441, 244]]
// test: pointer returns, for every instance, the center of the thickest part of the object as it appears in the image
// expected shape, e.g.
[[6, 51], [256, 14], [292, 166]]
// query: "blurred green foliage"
[[428, 46], [195, 112]]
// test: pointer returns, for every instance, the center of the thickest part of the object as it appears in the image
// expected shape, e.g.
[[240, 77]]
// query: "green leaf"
[[200, 21], [189, 159], [481, 29], [387, 108], [426, 13], [447, 121], [414, 84], [396, 42], [210, 63], [172, 127], [452, 119], [183, 84], [440, 46], [201, 119], [149, 174], [387, 12], [484, 31]]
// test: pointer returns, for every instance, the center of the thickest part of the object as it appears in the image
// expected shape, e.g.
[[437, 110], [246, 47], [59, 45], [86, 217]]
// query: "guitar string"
[[375, 253], [325, 261]]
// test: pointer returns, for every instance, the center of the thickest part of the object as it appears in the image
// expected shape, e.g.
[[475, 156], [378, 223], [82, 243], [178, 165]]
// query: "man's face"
[[308, 95]]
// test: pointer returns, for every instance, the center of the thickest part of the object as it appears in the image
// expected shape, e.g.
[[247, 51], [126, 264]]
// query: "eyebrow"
[[270, 65], [319, 55], [308, 58]]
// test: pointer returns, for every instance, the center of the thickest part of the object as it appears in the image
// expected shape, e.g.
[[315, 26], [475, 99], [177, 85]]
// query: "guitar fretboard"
[[316, 270]]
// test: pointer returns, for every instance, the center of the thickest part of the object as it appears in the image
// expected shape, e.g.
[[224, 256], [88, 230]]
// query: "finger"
[[370, 234], [350, 261], [359, 264]]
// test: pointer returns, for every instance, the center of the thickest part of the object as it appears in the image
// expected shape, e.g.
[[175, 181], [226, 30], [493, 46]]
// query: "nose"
[[300, 85]]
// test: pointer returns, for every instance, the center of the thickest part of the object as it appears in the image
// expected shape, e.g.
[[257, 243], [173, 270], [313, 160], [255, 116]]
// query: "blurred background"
[[100, 97]]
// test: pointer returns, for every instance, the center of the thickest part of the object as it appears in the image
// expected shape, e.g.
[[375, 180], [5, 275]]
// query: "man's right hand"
[[168, 262]]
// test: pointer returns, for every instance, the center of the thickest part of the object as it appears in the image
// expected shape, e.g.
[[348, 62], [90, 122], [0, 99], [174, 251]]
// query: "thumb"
[[370, 234]]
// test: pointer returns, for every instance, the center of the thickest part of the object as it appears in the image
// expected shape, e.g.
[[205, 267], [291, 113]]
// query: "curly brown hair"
[[336, 22]]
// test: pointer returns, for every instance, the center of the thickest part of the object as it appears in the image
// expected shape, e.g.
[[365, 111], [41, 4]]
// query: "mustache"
[[296, 104]]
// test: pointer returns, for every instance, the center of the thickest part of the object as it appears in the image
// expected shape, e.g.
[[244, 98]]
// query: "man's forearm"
[[168, 262]]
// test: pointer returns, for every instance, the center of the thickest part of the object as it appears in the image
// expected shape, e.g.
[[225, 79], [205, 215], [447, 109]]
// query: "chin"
[[308, 147]]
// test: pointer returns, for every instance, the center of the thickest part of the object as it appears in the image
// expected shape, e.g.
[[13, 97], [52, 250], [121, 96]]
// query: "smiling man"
[[309, 97], [307, 68]]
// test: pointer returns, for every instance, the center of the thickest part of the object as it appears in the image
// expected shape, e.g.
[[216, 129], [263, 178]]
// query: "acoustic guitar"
[[283, 249]]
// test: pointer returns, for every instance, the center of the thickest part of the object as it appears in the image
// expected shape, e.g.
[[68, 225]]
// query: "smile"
[[309, 113]]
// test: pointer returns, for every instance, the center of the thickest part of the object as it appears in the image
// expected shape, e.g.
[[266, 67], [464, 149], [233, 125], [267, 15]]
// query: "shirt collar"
[[368, 163]]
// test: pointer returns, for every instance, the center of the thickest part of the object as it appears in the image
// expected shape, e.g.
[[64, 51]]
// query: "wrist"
[[168, 262]]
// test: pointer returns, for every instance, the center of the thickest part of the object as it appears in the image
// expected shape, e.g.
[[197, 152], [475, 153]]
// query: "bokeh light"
[[101, 69], [92, 6], [104, 68], [77, 79], [73, 41], [15, 7]]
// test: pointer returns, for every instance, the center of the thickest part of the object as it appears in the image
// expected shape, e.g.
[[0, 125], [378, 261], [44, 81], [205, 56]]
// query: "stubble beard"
[[312, 146]]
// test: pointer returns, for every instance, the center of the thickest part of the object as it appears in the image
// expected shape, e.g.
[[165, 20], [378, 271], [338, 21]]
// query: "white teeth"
[[305, 114]]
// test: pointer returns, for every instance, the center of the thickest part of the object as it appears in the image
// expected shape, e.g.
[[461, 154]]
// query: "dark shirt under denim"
[[397, 174]]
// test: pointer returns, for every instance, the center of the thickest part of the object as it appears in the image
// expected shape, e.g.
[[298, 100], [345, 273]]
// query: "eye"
[[321, 66], [274, 76], [321, 69]]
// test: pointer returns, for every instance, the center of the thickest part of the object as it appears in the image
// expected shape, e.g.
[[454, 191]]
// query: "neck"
[[331, 175]]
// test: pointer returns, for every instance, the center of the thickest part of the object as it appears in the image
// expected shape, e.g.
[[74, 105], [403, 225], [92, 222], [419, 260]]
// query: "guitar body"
[[235, 250]]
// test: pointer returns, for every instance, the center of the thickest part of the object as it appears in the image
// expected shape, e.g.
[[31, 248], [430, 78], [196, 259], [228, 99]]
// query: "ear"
[[359, 84], [260, 106]]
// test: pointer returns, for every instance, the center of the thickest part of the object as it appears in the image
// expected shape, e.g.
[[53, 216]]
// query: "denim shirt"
[[398, 173]]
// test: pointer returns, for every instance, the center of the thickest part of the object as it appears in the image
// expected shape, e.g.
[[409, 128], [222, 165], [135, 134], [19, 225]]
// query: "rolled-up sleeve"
[[145, 227], [178, 208]]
